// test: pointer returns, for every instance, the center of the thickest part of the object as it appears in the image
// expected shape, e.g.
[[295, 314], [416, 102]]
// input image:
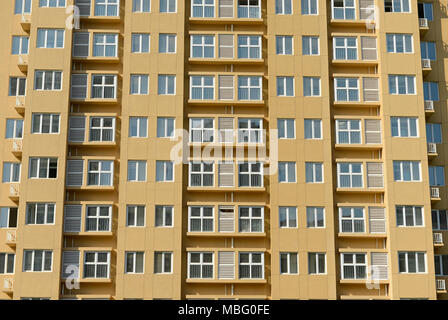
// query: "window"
[[399, 43], [40, 213], [345, 48], [163, 262], [8, 217], [202, 46], [47, 80], [285, 86], [50, 38], [140, 43], [102, 129], [200, 265], [14, 129], [354, 265], [136, 170], [100, 173], [286, 128], [96, 264], [78, 88], [103, 86], [43, 168], [20, 45], [201, 130], [428, 50], [22, 6], [401, 84], [37, 260], [105, 45], [203, 8], [404, 127], [287, 172], [348, 131], [434, 132], [251, 265], [135, 216], [436, 176], [406, 171], [249, 47], [250, 174], [164, 216], [98, 218], [351, 219], [139, 84], [316, 263], [346, 89], [17, 86], [313, 129], [141, 6], [283, 6], [7, 261], [200, 219], [164, 171], [350, 175], [251, 219], [311, 86], [314, 172], [309, 7], [202, 87], [81, 41], [310, 46], [425, 10], [439, 220], [250, 130], [315, 217], [284, 45], [138, 127], [440, 264], [11, 172], [344, 9], [412, 262], [168, 6], [249, 88], [249, 9], [167, 43], [288, 263], [107, 8], [431, 91], [135, 262], [396, 6], [165, 127], [201, 174], [45, 123], [167, 84], [409, 216], [287, 217], [52, 3]]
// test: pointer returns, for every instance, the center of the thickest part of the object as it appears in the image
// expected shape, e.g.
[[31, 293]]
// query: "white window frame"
[[348, 130], [316, 257], [96, 264], [165, 132], [107, 4], [280, 44], [33, 209], [394, 78], [17, 131], [48, 4], [248, 44], [202, 129], [251, 134], [315, 212], [201, 265], [139, 165], [6, 262], [165, 211], [24, 45], [133, 210], [202, 173], [249, 173], [168, 5], [133, 255], [201, 44], [164, 163], [46, 167], [20, 86], [138, 38], [406, 256], [251, 264], [351, 174], [345, 7], [249, 87], [402, 210], [97, 217], [347, 88], [104, 86], [201, 86], [287, 269], [354, 265], [166, 79], [53, 129], [280, 6], [411, 164], [315, 170], [250, 218], [308, 9], [394, 37], [44, 73], [286, 123], [162, 254], [308, 40], [102, 129], [138, 121], [407, 121], [201, 217], [100, 172], [437, 221], [203, 5], [287, 167], [140, 89], [14, 170], [312, 81], [345, 47], [313, 128], [45, 253], [249, 6], [400, 10], [285, 80], [354, 221], [290, 215], [168, 49], [46, 44], [138, 6]]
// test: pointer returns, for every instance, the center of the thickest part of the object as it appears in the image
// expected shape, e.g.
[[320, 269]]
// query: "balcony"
[[11, 238], [434, 194], [25, 22], [426, 66], [20, 104], [8, 285], [17, 148], [14, 191], [438, 239], [432, 149], [429, 107], [423, 25], [22, 63], [440, 286]]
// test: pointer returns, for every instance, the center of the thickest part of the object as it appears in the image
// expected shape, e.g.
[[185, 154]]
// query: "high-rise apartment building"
[[223, 149]]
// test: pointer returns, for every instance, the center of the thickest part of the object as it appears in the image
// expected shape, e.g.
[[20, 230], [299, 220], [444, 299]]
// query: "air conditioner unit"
[[432, 148], [429, 105], [440, 284], [426, 63], [435, 192], [423, 22]]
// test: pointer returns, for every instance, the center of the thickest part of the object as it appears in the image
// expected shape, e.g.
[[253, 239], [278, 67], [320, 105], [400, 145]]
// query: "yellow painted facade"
[[220, 232]]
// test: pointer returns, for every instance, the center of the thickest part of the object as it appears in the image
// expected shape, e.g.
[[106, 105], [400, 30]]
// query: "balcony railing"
[[429, 105], [435, 193], [432, 148], [440, 285], [438, 238]]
